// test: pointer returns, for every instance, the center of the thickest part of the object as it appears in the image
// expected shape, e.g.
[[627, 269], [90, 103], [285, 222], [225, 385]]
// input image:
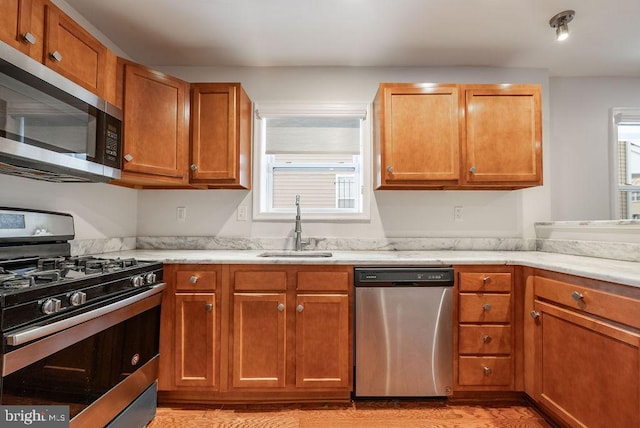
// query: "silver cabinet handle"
[[194, 167], [389, 169], [486, 338], [534, 314], [193, 279], [472, 170], [281, 307], [29, 38], [577, 296], [486, 307], [485, 279], [56, 56], [299, 308], [128, 157], [487, 371], [208, 307]]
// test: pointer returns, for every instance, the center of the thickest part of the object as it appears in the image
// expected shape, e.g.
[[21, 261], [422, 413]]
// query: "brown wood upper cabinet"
[[155, 130], [220, 136], [22, 26], [503, 136], [457, 136], [41, 30]]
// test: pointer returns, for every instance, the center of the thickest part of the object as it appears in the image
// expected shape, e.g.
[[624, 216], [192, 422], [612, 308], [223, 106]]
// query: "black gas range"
[[40, 291], [78, 331]]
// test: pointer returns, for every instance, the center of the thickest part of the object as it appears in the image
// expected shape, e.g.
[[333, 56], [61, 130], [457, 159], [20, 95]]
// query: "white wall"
[[580, 131], [393, 213], [99, 210]]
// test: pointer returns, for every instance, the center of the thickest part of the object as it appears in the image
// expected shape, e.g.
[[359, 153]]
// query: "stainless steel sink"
[[293, 253]]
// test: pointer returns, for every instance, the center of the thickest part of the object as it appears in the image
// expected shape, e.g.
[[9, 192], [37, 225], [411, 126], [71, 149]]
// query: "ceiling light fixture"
[[560, 21]]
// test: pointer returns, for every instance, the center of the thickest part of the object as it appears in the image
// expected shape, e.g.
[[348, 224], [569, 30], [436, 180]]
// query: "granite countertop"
[[622, 272]]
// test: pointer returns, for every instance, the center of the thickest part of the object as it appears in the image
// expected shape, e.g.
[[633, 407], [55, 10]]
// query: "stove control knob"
[[77, 298], [150, 278], [50, 306], [137, 281]]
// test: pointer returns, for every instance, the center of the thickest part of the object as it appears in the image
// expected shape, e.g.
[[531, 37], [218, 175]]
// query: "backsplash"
[[616, 239], [82, 247], [348, 244]]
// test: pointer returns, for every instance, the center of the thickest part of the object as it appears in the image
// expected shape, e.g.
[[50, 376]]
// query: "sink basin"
[[292, 253]]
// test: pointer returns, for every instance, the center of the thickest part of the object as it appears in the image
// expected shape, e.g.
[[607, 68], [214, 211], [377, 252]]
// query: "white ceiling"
[[605, 34]]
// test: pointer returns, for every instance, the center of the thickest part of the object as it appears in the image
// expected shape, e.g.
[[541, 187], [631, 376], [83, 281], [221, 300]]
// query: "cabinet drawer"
[[614, 307], [485, 308], [494, 371], [487, 282], [484, 339], [323, 281], [195, 280], [260, 280]]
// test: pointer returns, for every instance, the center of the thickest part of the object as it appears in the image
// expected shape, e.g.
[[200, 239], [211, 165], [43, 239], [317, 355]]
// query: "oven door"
[[97, 367]]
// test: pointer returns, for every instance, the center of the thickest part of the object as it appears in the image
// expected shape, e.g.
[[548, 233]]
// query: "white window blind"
[[315, 151]]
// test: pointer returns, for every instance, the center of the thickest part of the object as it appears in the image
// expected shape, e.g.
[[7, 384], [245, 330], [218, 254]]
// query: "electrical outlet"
[[457, 214], [181, 214], [243, 214]]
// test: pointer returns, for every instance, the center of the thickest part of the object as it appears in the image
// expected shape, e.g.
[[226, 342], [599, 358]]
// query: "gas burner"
[[15, 281], [41, 276], [122, 263], [50, 263]]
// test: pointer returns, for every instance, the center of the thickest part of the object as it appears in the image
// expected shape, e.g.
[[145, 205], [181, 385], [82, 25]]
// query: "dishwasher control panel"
[[404, 276]]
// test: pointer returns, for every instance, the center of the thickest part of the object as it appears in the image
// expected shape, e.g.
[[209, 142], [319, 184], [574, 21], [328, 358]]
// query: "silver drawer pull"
[[208, 307], [534, 314], [56, 56], [485, 279], [577, 296], [29, 38], [193, 279], [299, 308], [486, 307], [486, 338], [281, 307], [487, 371]]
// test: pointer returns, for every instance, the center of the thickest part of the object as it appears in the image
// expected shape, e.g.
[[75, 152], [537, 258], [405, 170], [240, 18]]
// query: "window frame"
[[619, 115], [261, 177]]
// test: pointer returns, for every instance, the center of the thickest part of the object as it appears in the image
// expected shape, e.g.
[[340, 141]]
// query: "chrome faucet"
[[298, 228]]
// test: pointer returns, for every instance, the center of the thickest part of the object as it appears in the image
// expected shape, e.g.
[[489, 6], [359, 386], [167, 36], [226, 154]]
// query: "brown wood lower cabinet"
[[195, 340], [259, 340], [484, 357], [322, 341], [586, 367], [242, 333]]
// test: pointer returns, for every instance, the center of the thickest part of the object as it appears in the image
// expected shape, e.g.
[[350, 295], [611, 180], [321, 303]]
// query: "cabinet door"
[[14, 20], [74, 53], [259, 340], [220, 135], [419, 135], [503, 136], [155, 118], [587, 371], [322, 341], [22, 26], [195, 340]]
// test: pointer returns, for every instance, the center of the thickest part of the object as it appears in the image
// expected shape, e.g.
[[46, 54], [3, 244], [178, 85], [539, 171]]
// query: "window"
[[626, 192], [317, 152]]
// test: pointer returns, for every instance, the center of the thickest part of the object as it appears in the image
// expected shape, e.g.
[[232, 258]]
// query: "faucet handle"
[[297, 199]]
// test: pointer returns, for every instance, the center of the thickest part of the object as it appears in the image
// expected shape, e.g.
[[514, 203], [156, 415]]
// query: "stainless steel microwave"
[[51, 129]]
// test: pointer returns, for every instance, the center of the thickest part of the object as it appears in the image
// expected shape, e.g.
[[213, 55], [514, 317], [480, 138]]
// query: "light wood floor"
[[385, 414]]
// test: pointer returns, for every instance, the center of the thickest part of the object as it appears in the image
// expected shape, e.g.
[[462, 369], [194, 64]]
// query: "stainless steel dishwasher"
[[403, 331]]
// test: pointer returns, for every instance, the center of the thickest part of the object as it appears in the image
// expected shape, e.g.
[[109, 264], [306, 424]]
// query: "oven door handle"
[[30, 334]]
